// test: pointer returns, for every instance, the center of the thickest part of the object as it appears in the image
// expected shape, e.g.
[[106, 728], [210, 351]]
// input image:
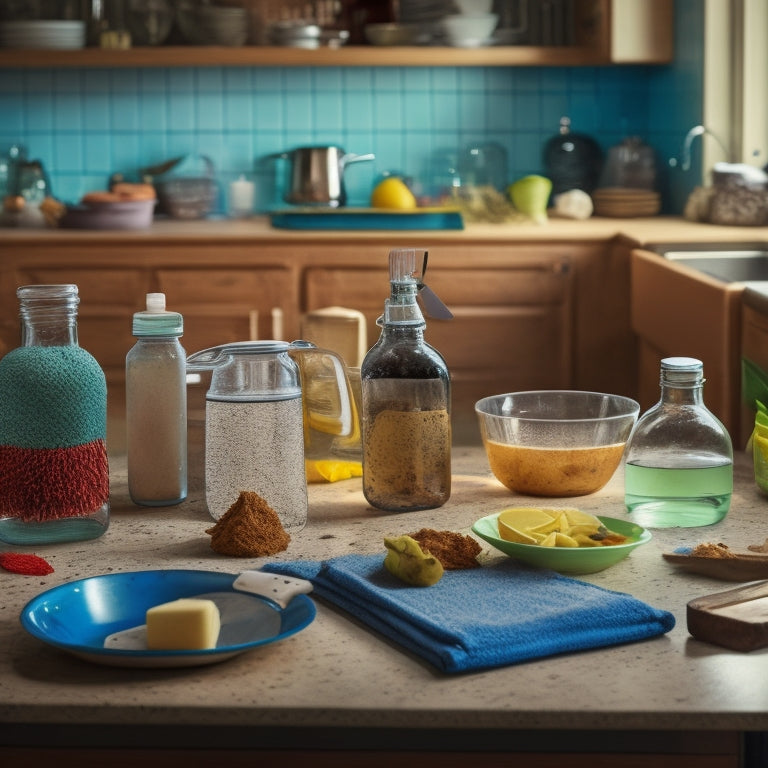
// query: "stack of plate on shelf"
[[61, 35], [625, 202]]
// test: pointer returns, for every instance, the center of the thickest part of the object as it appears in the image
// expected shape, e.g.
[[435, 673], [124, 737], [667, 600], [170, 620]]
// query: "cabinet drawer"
[[225, 305]]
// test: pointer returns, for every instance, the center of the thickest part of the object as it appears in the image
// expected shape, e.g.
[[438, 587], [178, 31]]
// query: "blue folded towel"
[[481, 617]]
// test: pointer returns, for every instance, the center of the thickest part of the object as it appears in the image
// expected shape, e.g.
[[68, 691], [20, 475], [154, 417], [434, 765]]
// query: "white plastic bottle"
[[156, 407]]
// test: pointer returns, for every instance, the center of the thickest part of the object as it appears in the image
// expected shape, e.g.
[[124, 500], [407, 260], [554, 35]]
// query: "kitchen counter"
[[641, 230], [338, 683]]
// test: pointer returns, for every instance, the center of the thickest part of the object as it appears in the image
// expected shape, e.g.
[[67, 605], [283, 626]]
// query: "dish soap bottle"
[[406, 420], [156, 407], [54, 471], [679, 460]]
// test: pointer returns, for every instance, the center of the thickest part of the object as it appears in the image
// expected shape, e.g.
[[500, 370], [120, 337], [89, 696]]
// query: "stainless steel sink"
[[727, 262]]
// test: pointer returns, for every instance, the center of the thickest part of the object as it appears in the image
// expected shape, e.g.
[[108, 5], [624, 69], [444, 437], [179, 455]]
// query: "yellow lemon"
[[393, 193]]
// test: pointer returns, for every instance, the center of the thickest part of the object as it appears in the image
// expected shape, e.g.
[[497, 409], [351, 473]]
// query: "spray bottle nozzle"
[[403, 268]]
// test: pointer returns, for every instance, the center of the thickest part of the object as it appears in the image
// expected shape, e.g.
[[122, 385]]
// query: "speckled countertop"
[[338, 674]]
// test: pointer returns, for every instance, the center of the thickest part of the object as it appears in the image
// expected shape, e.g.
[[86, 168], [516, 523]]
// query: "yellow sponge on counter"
[[188, 624]]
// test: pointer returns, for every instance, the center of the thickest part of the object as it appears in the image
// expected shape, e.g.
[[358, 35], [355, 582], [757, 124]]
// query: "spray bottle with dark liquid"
[[406, 402]]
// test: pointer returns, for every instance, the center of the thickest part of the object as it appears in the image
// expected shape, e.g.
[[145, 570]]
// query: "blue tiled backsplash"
[[85, 124]]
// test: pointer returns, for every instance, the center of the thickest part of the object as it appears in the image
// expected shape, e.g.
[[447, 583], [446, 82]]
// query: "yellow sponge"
[[189, 624]]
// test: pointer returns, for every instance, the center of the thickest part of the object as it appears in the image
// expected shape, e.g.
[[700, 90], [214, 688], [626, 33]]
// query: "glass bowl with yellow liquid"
[[555, 442]]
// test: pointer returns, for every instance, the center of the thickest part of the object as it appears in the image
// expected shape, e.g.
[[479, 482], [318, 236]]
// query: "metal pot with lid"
[[315, 175]]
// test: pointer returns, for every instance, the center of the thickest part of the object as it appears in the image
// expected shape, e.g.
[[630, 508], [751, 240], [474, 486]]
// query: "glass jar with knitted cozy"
[[54, 471]]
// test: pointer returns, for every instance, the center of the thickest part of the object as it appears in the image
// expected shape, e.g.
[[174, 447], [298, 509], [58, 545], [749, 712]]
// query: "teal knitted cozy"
[[51, 397]]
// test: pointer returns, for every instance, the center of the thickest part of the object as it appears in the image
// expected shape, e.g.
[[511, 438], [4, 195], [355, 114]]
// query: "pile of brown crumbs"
[[454, 550], [712, 550], [249, 528]]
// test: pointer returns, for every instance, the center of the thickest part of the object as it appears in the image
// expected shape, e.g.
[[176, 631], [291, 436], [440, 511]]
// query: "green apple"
[[530, 196]]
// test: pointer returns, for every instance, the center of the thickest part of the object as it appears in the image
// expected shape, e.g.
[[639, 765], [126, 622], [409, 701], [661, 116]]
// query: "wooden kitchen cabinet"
[[512, 328], [218, 305], [605, 32], [224, 305], [677, 311], [528, 315]]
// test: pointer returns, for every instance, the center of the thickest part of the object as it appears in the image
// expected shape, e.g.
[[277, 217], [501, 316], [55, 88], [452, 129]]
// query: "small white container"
[[242, 194]]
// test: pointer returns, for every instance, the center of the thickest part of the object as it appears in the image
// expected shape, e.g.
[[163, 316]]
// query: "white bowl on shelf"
[[469, 31], [473, 7]]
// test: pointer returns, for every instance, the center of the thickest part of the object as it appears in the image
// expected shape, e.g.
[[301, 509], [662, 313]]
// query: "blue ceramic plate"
[[82, 617], [570, 560]]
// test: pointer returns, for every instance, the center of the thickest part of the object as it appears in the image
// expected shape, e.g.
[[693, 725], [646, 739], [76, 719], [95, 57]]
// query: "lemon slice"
[[583, 529], [508, 533], [526, 518], [559, 523], [550, 540], [577, 517]]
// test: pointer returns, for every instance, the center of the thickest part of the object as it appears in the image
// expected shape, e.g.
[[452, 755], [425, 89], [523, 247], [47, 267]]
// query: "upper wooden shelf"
[[607, 32], [347, 56]]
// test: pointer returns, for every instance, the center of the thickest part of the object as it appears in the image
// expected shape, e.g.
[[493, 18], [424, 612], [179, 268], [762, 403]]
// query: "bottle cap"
[[681, 364], [156, 321], [682, 371]]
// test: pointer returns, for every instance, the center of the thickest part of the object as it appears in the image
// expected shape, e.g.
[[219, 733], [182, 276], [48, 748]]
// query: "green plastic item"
[[754, 384]]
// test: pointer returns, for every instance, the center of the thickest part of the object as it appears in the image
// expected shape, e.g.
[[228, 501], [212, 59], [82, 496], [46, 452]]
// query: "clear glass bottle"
[[54, 471], [406, 421], [156, 407], [679, 460]]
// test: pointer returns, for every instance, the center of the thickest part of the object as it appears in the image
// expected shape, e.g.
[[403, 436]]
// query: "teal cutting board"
[[366, 218]]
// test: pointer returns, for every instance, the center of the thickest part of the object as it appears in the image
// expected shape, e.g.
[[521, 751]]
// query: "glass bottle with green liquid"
[[679, 461]]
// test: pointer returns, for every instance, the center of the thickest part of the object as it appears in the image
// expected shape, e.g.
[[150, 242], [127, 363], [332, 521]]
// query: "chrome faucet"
[[697, 130]]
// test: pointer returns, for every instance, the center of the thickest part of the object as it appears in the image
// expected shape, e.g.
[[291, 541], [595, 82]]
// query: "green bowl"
[[571, 560]]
